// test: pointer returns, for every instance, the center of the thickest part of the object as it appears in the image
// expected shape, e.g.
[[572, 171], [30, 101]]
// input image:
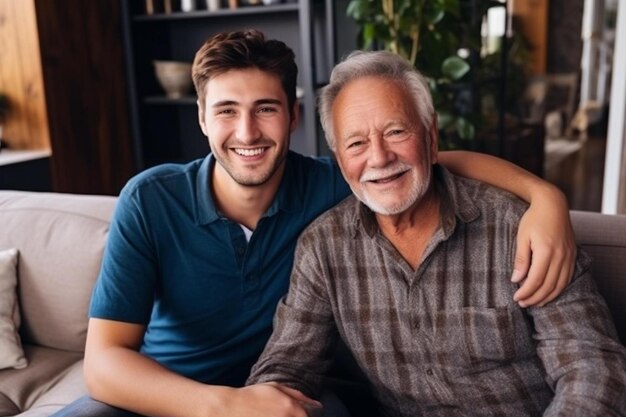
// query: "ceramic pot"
[[174, 77], [187, 5]]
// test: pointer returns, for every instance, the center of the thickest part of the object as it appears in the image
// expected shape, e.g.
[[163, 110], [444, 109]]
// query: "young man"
[[411, 272], [198, 255]]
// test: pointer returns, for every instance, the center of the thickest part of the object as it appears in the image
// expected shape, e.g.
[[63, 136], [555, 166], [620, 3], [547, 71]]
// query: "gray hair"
[[379, 64]]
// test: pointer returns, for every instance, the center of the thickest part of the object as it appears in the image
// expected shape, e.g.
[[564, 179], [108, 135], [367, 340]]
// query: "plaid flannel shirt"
[[446, 339]]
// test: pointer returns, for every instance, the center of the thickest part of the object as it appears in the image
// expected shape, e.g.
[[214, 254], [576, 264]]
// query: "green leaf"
[[452, 7], [454, 67], [369, 35], [434, 12], [465, 128], [444, 119], [357, 9]]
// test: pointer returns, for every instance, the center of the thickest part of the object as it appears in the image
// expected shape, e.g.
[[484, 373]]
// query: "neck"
[[410, 231], [244, 204]]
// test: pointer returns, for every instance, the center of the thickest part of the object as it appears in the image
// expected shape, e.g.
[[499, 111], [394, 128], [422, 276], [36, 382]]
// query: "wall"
[[533, 18], [20, 76], [84, 78], [61, 63], [564, 35], [614, 189]]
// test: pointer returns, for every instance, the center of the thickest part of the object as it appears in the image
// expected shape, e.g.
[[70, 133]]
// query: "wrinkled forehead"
[[373, 98]]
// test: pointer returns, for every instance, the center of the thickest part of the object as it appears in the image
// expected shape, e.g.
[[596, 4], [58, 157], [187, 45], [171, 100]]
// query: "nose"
[[247, 128], [379, 153]]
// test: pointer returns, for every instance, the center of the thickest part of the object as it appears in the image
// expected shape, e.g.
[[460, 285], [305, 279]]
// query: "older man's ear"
[[434, 140]]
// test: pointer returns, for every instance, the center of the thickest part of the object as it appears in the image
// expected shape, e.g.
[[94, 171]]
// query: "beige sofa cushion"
[[60, 238], [604, 238], [53, 378], [11, 353]]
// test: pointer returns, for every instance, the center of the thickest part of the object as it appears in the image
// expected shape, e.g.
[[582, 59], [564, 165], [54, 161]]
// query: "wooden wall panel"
[[533, 17], [20, 76], [84, 78]]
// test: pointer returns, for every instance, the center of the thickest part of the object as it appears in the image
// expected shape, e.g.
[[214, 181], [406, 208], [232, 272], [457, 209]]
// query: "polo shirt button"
[[429, 372]]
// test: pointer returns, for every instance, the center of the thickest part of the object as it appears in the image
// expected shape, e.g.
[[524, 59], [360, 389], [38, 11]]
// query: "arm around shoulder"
[[546, 245]]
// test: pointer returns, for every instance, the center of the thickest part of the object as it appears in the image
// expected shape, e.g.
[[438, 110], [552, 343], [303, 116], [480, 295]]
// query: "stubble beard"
[[421, 183], [254, 177]]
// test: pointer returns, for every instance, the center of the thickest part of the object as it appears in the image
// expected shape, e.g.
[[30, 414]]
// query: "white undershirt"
[[246, 232]]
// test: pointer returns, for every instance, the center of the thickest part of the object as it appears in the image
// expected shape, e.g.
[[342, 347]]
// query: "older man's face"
[[381, 146]]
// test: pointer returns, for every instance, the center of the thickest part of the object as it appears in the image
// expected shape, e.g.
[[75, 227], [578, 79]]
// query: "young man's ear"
[[295, 116], [201, 118]]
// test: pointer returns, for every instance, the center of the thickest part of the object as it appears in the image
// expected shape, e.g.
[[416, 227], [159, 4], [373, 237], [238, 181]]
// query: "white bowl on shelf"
[[174, 77]]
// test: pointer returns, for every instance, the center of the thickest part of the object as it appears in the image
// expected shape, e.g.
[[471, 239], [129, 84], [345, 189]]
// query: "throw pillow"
[[11, 352]]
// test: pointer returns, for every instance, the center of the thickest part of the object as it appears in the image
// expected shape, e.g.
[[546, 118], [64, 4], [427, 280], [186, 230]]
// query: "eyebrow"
[[262, 101]]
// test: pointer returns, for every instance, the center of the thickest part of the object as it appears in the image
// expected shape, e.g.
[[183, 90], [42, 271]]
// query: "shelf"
[[176, 36], [198, 14], [11, 156]]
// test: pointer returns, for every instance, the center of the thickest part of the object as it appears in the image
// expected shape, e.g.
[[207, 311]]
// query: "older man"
[[411, 273]]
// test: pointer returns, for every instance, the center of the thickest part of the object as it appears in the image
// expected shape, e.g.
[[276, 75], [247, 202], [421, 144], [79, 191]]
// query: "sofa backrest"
[[61, 238], [603, 236]]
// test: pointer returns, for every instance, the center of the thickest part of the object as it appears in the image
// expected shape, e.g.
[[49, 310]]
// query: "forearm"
[[301, 347], [584, 393], [502, 174], [577, 343], [298, 353], [124, 378]]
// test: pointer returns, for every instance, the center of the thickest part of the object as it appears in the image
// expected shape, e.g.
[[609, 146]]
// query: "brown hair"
[[240, 50]]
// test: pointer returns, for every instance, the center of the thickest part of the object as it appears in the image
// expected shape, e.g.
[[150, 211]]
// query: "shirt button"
[[429, 372]]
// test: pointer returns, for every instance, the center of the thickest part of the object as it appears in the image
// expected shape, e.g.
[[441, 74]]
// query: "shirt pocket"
[[475, 339]]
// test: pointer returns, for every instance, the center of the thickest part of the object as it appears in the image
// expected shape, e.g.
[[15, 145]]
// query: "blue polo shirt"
[[178, 266]]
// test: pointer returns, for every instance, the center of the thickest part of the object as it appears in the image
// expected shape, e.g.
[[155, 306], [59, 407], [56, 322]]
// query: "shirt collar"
[[288, 197], [455, 204], [206, 212]]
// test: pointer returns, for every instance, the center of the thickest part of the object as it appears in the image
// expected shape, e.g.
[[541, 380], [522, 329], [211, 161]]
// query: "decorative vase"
[[174, 77], [213, 5], [187, 5]]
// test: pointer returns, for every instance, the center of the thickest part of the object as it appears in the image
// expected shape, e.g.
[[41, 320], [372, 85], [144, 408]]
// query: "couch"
[[60, 239]]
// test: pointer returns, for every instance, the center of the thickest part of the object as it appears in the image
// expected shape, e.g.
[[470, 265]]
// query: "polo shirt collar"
[[290, 195], [206, 212], [288, 198], [456, 204]]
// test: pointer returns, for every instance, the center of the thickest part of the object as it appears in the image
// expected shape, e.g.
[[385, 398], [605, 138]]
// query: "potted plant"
[[443, 39], [425, 32]]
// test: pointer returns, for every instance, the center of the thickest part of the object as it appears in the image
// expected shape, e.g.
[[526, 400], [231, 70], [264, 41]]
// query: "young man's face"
[[248, 123], [381, 147]]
